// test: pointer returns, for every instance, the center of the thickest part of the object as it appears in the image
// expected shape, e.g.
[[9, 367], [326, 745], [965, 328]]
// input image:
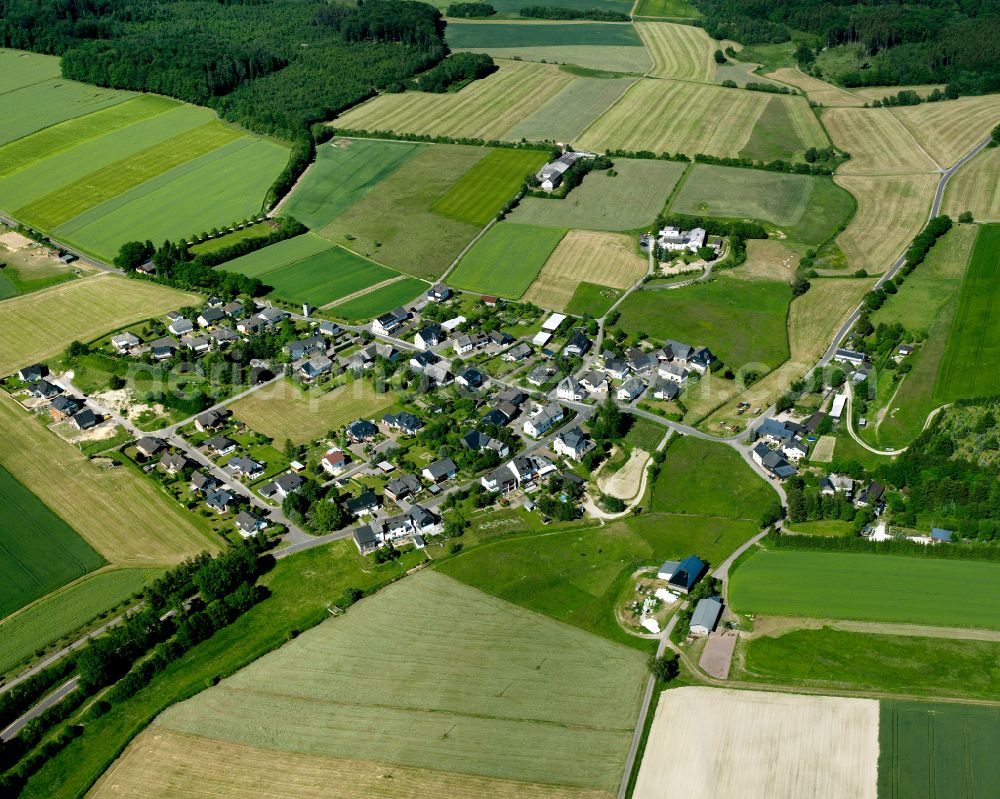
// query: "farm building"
[[706, 615], [666, 571], [550, 176], [673, 239], [689, 572], [838, 406]]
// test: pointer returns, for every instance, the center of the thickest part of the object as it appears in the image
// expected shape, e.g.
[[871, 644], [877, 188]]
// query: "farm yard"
[[975, 188], [379, 300], [602, 259], [507, 259], [442, 701], [41, 551], [867, 587], [777, 746], [683, 52], [39, 325], [627, 201]]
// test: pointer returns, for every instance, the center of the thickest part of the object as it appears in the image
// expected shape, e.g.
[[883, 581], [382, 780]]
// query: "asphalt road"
[[52, 699]]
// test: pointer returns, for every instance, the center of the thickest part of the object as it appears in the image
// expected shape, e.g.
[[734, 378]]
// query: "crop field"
[[38, 326], [277, 256], [64, 611], [345, 170], [975, 188], [283, 410], [777, 746], [327, 277], [666, 8], [456, 680], [631, 199], [683, 52], [394, 224], [819, 91], [507, 259], [969, 366], [161, 762], [380, 300], [489, 185], [878, 142], [41, 552], [486, 108], [949, 129], [483, 36], [867, 242], [947, 751], [513, 6], [867, 587], [221, 187], [605, 259], [121, 514], [613, 59], [567, 115], [717, 315]]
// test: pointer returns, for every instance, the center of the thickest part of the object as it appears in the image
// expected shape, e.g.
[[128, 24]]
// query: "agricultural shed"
[[706, 615], [688, 573]]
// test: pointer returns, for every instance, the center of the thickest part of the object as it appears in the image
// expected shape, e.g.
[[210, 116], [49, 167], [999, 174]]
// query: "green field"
[[867, 587], [513, 6], [969, 367], [278, 256], [19, 69], [231, 237], [568, 114], [41, 552], [630, 200], [592, 299], [717, 315], [944, 751], [809, 209], [64, 611], [666, 8], [341, 175], [834, 528], [507, 259], [489, 185], [377, 302], [781, 130], [424, 664], [834, 659], [483, 36]]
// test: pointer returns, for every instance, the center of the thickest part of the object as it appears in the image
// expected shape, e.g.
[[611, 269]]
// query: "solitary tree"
[[665, 667]]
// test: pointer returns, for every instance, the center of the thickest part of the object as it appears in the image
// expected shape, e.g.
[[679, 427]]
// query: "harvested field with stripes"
[[975, 187], [569, 113], [950, 128], [683, 52], [819, 91], [878, 142], [867, 241]]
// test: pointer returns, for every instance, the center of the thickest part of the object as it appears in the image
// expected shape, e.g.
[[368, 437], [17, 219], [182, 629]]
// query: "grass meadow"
[[481, 36], [285, 410], [381, 300], [489, 185], [666, 8], [683, 52], [972, 355], [507, 259], [18, 68], [62, 612], [629, 200], [947, 751], [568, 114], [278, 256], [458, 681], [513, 6], [717, 315], [394, 224], [975, 188], [345, 170], [592, 299], [868, 587], [41, 551]]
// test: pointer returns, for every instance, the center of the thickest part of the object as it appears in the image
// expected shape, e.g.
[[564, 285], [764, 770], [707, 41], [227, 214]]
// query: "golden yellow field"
[[162, 764], [891, 211], [878, 142], [486, 108], [949, 129], [283, 410], [679, 51], [707, 743], [975, 187], [124, 516], [767, 259], [608, 259], [39, 325], [819, 91]]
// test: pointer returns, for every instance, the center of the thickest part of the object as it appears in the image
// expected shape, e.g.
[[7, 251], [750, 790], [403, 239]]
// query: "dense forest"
[[920, 41], [274, 66]]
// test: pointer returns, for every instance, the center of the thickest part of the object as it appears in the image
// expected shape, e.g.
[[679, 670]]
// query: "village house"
[[643, 363], [439, 292], [84, 419], [333, 462], [288, 483], [223, 336], [849, 356], [315, 367], [471, 379], [245, 468], [202, 482], [360, 431], [540, 375], [630, 390], [389, 323], [569, 390], [404, 486], [837, 484], [366, 502], [174, 464], [148, 446], [475, 441], [578, 345], [248, 524], [180, 326], [498, 338], [706, 615], [500, 479], [516, 353], [594, 381], [428, 337], [234, 310], [438, 375], [219, 500], [272, 316], [674, 373], [163, 348], [330, 329], [30, 374], [43, 389], [125, 342], [306, 346], [220, 446], [441, 470], [365, 540], [212, 420], [772, 462], [199, 345], [404, 422], [64, 406], [550, 176], [543, 419], [666, 391], [422, 360], [872, 496], [210, 316], [616, 369], [572, 444], [250, 326]]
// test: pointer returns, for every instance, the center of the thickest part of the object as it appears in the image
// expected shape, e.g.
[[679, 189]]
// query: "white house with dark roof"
[[572, 444]]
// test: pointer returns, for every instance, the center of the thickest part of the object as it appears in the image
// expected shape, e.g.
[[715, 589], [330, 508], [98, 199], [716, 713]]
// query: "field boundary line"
[[468, 247], [903, 125], [362, 292]]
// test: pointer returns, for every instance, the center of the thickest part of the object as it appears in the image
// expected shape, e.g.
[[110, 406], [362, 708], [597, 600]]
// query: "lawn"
[[41, 325], [41, 551], [868, 587], [283, 410], [278, 256], [629, 200], [947, 751], [507, 259], [489, 185], [64, 611], [120, 513], [222, 187], [458, 680], [380, 301], [394, 224], [717, 315], [345, 170], [706, 479], [972, 355], [834, 659], [326, 277], [567, 115], [683, 52]]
